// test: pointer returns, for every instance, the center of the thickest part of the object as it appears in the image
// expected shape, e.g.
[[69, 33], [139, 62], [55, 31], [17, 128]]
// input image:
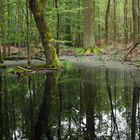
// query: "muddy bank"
[[91, 61]]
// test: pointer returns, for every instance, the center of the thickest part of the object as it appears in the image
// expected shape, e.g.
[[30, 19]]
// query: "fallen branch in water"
[[24, 69]]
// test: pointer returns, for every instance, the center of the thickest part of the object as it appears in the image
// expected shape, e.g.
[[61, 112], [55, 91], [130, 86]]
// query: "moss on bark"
[[52, 59], [37, 9], [90, 51]]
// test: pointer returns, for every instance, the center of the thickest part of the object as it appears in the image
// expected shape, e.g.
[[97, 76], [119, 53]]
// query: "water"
[[80, 103]]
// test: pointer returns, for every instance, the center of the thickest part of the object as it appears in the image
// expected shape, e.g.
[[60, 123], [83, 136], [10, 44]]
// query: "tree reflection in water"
[[87, 103], [135, 103], [113, 117], [1, 114], [90, 93], [42, 127]]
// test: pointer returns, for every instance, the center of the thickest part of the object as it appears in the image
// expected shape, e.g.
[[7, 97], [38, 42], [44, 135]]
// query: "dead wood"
[[130, 49]]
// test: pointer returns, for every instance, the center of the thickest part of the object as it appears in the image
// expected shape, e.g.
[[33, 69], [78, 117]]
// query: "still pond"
[[79, 103]]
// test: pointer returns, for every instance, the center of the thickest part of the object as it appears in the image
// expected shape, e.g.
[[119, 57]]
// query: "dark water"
[[78, 104]]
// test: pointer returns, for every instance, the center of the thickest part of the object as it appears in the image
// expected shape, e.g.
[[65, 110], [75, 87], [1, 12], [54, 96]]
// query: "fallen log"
[[21, 69]]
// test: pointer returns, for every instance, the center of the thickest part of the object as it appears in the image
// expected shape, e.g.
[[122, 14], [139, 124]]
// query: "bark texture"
[[126, 21], [135, 20], [106, 21], [37, 9], [89, 38]]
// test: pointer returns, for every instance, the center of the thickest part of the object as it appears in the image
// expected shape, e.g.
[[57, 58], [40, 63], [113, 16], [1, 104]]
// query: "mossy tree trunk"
[[37, 9]]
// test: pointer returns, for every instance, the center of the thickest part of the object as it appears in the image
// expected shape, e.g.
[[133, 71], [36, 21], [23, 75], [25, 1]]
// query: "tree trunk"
[[68, 25], [99, 26], [139, 19], [89, 37], [52, 60], [27, 33], [106, 21], [2, 28], [126, 21], [135, 20], [115, 25], [9, 26], [57, 26], [78, 35]]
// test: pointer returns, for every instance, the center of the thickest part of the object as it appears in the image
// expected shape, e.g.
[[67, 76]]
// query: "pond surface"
[[80, 103]]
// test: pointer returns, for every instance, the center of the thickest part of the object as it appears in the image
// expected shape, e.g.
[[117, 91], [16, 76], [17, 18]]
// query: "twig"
[[133, 47]]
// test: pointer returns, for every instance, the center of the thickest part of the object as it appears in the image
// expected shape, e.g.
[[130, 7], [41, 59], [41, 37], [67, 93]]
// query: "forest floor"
[[110, 56], [88, 61]]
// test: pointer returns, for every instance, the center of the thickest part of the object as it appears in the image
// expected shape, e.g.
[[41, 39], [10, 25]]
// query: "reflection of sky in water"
[[105, 125], [121, 123], [18, 135]]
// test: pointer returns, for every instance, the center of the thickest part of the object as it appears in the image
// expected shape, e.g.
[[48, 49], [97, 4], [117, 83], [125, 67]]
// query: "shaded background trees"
[[66, 21]]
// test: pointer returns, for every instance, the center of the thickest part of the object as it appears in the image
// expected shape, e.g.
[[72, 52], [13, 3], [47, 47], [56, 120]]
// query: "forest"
[[69, 69], [100, 27]]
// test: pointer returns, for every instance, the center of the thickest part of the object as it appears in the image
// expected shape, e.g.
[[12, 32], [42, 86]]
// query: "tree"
[[27, 33], [106, 21], [57, 26], [2, 28], [89, 37], [68, 37], [78, 35], [139, 18], [135, 20], [115, 24], [126, 21], [37, 9]]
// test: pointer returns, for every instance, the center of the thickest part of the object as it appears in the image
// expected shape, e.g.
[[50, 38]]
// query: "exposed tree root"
[[90, 51]]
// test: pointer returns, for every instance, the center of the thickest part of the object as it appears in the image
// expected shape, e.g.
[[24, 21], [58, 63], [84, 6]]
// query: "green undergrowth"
[[90, 51], [68, 65], [83, 51]]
